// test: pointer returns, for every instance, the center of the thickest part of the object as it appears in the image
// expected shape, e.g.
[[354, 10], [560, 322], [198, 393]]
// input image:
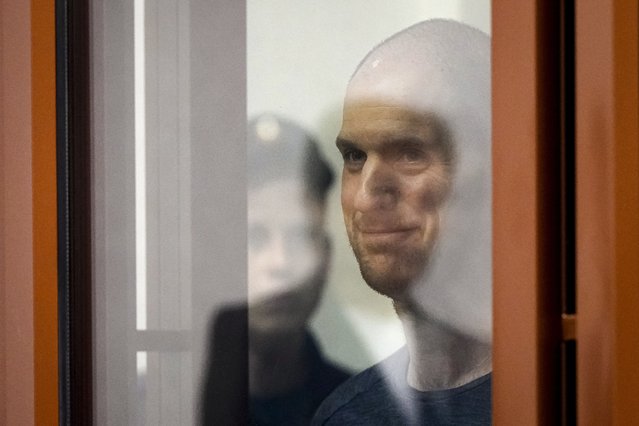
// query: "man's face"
[[396, 176], [287, 256]]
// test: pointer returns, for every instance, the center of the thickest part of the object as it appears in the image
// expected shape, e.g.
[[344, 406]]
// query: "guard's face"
[[287, 256], [396, 177]]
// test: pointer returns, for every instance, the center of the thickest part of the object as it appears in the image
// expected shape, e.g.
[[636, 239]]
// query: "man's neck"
[[439, 357], [276, 363]]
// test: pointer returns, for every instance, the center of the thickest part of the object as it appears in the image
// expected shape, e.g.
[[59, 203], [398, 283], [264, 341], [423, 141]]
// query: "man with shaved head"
[[416, 200]]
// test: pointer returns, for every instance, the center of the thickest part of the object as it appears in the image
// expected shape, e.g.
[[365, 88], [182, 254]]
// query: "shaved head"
[[429, 65]]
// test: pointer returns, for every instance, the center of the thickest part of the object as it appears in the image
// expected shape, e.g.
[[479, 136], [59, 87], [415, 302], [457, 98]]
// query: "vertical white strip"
[[140, 166], [141, 401], [141, 363]]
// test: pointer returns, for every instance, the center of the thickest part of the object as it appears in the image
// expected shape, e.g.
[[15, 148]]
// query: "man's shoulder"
[[381, 396], [356, 390], [366, 391]]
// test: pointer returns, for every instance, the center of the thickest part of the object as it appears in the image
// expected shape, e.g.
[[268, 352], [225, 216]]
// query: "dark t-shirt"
[[225, 399], [380, 395], [296, 408]]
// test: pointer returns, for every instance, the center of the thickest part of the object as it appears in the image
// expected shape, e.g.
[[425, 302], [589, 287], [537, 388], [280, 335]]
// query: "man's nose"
[[378, 188]]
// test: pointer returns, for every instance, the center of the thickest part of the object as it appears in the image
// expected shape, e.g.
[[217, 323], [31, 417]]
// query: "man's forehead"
[[416, 88], [377, 115], [373, 110], [373, 125]]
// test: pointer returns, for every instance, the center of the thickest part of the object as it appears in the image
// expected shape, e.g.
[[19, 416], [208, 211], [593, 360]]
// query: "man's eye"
[[354, 157], [416, 156], [412, 155]]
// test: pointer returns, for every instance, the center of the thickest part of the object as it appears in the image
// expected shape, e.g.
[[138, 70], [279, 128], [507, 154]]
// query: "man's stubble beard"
[[394, 275]]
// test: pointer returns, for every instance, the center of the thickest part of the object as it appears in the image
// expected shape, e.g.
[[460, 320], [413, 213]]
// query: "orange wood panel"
[[17, 377], [526, 297], [607, 211], [45, 270], [28, 268], [514, 355], [3, 278]]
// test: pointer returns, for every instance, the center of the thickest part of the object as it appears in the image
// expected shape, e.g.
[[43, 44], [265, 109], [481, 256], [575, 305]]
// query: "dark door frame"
[[74, 212]]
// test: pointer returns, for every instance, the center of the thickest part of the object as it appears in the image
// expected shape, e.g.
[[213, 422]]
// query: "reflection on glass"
[[288, 257]]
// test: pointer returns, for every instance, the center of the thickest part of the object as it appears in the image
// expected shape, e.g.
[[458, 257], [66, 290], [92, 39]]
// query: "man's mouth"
[[386, 236]]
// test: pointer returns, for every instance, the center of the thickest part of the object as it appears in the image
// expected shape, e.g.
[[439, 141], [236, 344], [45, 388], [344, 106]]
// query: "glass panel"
[[141, 127], [300, 60], [177, 218]]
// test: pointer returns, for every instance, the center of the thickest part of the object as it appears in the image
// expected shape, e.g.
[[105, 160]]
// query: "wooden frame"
[[598, 257], [28, 270], [607, 132], [534, 208], [526, 303], [74, 212], [527, 236]]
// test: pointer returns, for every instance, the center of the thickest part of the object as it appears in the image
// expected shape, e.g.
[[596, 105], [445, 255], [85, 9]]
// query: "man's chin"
[[390, 285], [391, 276]]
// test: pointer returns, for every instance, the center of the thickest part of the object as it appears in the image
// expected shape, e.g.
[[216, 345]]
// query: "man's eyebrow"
[[343, 144], [414, 142]]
